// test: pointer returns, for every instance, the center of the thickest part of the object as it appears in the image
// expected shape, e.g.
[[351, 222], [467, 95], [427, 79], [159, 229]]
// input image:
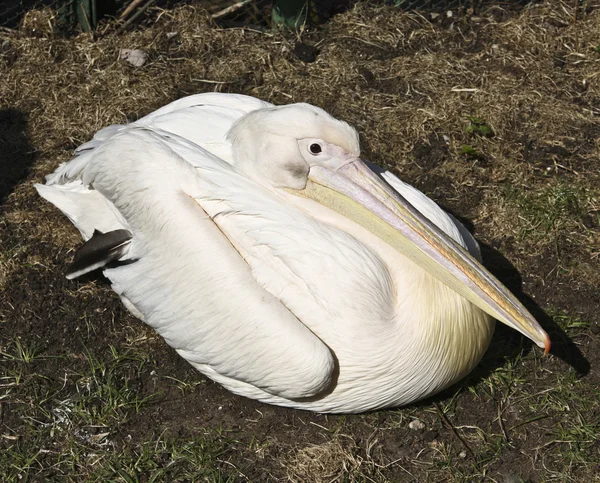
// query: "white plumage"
[[273, 295]]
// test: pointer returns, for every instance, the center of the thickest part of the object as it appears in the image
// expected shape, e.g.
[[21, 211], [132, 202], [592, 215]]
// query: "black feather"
[[99, 251]]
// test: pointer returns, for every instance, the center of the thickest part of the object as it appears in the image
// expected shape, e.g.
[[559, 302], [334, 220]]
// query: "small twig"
[[208, 81], [501, 422], [319, 426], [451, 426], [134, 17], [130, 8], [230, 9]]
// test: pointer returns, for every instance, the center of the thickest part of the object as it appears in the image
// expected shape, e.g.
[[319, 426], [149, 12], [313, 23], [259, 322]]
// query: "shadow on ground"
[[562, 346], [507, 343], [16, 151]]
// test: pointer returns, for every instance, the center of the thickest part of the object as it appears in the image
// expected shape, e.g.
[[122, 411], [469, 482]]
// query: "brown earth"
[[412, 86]]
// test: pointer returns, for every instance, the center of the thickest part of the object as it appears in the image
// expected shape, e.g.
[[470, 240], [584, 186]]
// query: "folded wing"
[[189, 282]]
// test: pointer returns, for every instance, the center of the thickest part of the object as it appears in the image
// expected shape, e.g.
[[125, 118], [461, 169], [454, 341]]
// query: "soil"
[[409, 84]]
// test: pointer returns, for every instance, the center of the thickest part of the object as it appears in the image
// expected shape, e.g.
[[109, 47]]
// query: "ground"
[[494, 115]]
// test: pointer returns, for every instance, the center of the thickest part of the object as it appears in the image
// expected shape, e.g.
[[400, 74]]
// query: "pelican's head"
[[278, 146], [305, 151]]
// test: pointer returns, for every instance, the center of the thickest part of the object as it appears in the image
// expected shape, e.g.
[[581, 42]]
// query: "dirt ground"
[[494, 115]]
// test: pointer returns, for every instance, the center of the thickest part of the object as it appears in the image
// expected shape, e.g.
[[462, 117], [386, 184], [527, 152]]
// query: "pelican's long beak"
[[354, 191]]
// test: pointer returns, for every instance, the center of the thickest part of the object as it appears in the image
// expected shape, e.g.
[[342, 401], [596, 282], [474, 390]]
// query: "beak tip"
[[547, 345]]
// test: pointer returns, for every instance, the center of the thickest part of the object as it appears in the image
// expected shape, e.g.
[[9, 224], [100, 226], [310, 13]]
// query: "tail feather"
[[87, 209], [100, 250]]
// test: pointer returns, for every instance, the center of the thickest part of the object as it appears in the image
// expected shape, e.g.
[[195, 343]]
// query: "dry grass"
[[410, 85], [335, 459]]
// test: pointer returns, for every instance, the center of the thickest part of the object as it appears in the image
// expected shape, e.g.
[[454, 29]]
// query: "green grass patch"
[[203, 458], [17, 351], [70, 430], [548, 210], [480, 127]]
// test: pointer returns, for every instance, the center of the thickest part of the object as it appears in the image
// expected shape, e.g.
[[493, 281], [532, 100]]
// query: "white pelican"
[[258, 244]]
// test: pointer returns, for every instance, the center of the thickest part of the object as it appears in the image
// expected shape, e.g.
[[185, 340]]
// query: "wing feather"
[[189, 282]]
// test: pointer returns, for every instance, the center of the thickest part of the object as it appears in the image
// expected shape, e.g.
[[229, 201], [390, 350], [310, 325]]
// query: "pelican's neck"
[[431, 335], [447, 334]]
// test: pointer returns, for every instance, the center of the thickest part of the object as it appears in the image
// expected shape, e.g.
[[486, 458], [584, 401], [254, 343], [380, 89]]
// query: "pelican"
[[259, 245]]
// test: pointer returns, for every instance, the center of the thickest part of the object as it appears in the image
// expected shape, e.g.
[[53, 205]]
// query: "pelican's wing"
[[428, 208], [309, 265], [203, 119], [189, 281], [238, 102]]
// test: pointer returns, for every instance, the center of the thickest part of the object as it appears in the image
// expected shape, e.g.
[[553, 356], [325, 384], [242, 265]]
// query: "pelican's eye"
[[315, 148]]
